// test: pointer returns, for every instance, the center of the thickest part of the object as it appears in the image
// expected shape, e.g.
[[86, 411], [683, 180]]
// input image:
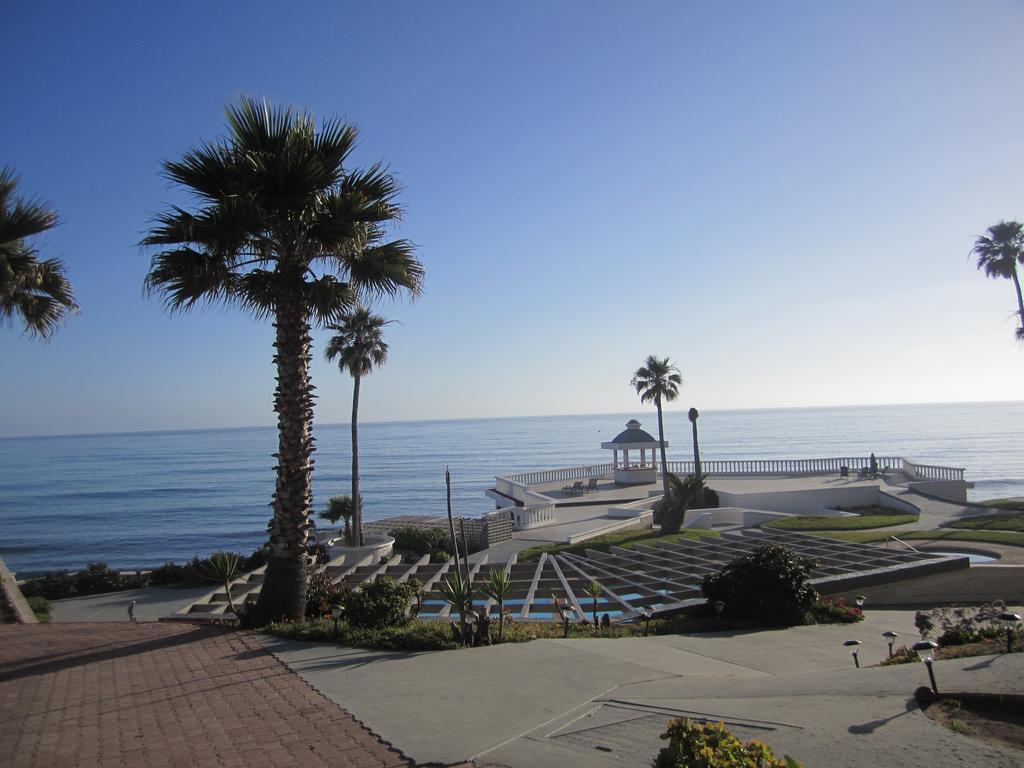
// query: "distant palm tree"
[[658, 380], [358, 346], [340, 508], [37, 291], [998, 254], [283, 230]]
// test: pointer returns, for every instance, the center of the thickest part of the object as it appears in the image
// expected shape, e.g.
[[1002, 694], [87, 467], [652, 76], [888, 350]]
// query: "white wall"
[[803, 502], [977, 584]]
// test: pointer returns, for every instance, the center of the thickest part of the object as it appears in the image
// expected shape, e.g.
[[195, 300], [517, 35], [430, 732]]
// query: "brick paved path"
[[163, 696]]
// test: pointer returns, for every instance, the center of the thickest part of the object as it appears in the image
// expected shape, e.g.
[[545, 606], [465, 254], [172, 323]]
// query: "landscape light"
[[891, 637], [853, 645], [645, 614], [1011, 621], [336, 612], [860, 600], [719, 606], [568, 614], [925, 651]]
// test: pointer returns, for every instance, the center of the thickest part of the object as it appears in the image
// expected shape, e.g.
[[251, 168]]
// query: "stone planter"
[[377, 547]]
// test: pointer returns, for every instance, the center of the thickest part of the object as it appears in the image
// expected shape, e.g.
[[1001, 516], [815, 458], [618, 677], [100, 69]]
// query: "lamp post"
[[568, 613], [1011, 621], [471, 618], [890, 636], [719, 606], [336, 612], [853, 646], [925, 651], [645, 614]]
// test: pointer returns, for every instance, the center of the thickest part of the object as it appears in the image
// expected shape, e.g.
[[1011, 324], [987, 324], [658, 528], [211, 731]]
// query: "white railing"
[[524, 518], [931, 471], [518, 482], [553, 475]]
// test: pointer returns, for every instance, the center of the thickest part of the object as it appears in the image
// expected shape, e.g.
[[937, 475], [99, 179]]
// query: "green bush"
[[422, 541], [381, 603], [40, 607], [670, 510], [827, 611], [321, 594], [414, 636], [827, 523], [56, 585], [98, 578], [193, 572], [712, 745], [771, 585]]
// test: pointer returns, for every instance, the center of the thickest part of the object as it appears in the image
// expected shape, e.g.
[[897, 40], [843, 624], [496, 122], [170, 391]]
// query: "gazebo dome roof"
[[632, 437]]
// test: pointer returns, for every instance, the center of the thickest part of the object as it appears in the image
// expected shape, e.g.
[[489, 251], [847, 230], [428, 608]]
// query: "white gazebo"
[[632, 438]]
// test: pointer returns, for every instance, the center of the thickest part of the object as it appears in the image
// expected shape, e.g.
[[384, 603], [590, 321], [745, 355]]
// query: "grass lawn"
[[1008, 522], [819, 523], [990, 537], [628, 540], [1011, 504]]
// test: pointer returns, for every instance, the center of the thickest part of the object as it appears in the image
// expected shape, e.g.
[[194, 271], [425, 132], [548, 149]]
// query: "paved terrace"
[[165, 696]]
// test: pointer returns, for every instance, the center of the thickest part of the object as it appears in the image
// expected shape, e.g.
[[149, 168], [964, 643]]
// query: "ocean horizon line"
[[253, 427]]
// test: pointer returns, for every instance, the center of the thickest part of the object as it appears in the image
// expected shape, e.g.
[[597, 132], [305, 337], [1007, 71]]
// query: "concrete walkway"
[[604, 702], [151, 603], [165, 696]]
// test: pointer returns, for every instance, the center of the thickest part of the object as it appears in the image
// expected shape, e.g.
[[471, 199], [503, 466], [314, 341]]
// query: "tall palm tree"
[[998, 254], [37, 291], [282, 229], [358, 347], [658, 380]]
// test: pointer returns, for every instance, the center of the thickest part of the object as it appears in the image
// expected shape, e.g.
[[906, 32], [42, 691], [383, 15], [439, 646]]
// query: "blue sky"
[[780, 197]]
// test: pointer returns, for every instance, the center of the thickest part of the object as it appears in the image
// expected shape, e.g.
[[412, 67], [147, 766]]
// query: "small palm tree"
[[282, 229], [37, 291], [359, 347], [998, 254], [594, 590], [223, 567], [497, 588], [340, 508], [459, 594], [658, 380]]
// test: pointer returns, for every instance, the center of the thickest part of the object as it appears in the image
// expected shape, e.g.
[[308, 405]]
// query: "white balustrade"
[[524, 518], [516, 485]]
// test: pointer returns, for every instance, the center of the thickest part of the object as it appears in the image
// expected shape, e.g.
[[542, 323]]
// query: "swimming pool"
[[974, 557]]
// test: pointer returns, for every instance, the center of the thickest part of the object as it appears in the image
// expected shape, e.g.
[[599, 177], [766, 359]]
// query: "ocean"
[[139, 499]]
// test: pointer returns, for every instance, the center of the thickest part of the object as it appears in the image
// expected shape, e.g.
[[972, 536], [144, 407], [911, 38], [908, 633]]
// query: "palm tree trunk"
[[661, 438], [501, 621], [696, 466], [283, 595], [357, 514], [1020, 300]]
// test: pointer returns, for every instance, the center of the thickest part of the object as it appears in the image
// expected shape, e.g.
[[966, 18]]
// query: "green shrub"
[[712, 745], [414, 636], [711, 500], [98, 578], [422, 541], [381, 603], [40, 607], [670, 510], [771, 585], [56, 585], [828, 611], [321, 594]]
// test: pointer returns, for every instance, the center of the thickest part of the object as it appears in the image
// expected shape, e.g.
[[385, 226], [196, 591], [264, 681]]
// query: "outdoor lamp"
[[925, 651], [852, 645], [568, 614], [719, 606], [891, 637], [1011, 621], [860, 600], [336, 611], [472, 617], [645, 614]]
